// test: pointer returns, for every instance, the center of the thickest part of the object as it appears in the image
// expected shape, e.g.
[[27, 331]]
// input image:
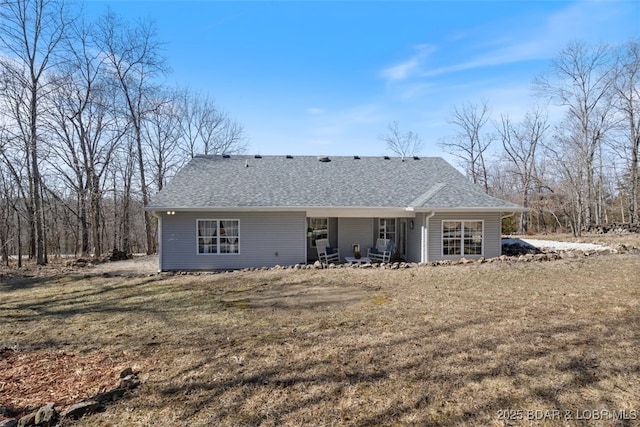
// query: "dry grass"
[[423, 346]]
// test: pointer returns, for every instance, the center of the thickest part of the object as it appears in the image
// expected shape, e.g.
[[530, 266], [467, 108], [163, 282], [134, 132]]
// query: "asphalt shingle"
[[306, 182]]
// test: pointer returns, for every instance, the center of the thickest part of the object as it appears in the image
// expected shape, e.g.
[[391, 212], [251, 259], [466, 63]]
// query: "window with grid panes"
[[462, 237], [218, 236]]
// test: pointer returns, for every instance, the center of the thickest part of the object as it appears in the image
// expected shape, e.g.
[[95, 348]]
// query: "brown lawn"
[[553, 344]]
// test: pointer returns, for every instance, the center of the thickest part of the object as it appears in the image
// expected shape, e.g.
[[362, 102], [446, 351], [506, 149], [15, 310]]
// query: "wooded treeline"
[[88, 131], [573, 158]]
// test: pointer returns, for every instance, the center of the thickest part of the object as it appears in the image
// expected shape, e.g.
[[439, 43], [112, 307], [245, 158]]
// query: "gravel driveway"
[[555, 245]]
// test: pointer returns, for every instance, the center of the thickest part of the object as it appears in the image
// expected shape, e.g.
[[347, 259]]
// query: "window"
[[387, 229], [318, 229], [218, 236], [462, 237]]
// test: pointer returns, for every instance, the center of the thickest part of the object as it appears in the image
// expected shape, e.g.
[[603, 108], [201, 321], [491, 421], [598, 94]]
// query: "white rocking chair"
[[327, 254], [382, 251]]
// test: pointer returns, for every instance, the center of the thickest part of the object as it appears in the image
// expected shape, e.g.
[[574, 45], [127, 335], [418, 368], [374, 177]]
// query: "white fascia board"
[[338, 211], [473, 209], [311, 211], [359, 212], [224, 209]]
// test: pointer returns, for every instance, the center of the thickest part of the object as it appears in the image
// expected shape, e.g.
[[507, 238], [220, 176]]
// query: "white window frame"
[[382, 229], [318, 233], [462, 237], [218, 237]]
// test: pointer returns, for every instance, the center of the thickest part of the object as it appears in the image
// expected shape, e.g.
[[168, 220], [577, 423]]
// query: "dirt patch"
[[138, 265]]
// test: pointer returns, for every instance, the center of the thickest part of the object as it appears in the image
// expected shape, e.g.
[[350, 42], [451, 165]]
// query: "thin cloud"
[[534, 41], [411, 66]]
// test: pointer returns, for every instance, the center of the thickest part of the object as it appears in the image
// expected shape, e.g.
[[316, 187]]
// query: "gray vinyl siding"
[[491, 238], [355, 231], [266, 239], [279, 238], [414, 238]]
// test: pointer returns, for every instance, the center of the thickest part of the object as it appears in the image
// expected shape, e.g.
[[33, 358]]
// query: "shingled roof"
[[426, 183]]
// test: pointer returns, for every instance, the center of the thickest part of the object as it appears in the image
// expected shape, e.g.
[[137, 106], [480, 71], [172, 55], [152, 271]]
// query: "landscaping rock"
[[109, 396], [126, 372], [81, 409], [46, 416], [11, 422], [28, 420], [616, 228], [129, 382]]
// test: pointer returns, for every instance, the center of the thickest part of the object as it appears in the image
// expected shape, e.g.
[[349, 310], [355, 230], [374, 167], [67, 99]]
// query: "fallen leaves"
[[30, 379]]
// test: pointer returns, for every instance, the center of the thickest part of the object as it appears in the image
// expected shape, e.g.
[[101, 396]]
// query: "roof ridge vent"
[[257, 156], [226, 156], [324, 159], [416, 158], [356, 157], [288, 156], [386, 157]]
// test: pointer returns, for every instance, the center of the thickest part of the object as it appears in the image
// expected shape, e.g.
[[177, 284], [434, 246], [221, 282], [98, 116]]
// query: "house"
[[230, 212]]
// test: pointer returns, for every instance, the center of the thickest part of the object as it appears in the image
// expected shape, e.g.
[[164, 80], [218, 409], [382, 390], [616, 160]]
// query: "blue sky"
[[327, 77]]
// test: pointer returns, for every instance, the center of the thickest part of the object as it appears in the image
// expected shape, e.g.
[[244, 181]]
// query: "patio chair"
[[327, 254], [382, 251]]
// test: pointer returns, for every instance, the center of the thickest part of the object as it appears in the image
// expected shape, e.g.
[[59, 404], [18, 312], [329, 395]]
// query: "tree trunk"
[[96, 220], [633, 202], [19, 222], [151, 249], [35, 176], [84, 226]]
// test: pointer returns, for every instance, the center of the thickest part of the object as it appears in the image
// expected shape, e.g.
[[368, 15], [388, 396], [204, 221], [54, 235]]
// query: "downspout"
[[425, 237]]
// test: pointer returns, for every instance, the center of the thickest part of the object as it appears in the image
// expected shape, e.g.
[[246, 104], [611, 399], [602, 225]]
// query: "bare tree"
[[205, 129], [87, 133], [627, 93], [469, 145], [221, 134], [111, 132], [161, 139], [31, 32], [15, 171], [134, 60], [580, 79], [520, 143], [403, 144]]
